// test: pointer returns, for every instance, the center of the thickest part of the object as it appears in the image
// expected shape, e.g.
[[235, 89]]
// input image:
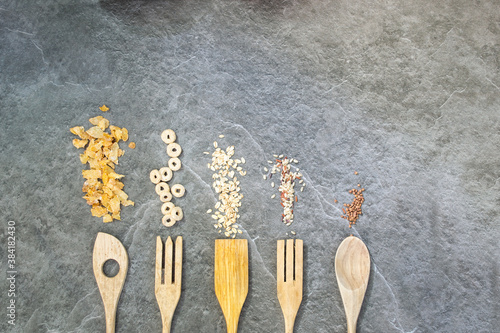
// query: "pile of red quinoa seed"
[[353, 210], [288, 178]]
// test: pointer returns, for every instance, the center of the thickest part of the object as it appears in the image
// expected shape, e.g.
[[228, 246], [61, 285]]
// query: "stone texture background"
[[404, 92]]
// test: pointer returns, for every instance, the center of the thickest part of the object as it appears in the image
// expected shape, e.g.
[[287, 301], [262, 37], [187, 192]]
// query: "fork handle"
[[167, 323]]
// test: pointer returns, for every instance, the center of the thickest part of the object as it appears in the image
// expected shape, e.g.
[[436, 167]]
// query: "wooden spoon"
[[107, 247], [352, 267], [231, 278]]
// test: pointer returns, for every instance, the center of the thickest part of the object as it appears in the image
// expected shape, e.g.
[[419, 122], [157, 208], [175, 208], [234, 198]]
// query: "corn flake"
[[102, 187], [80, 143], [95, 132], [124, 134], [104, 108], [107, 218], [116, 132]]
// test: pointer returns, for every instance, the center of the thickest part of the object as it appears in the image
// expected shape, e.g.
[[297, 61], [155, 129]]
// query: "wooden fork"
[[289, 278], [168, 283]]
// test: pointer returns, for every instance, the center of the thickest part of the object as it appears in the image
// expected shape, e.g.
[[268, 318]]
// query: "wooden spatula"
[[289, 279], [231, 278], [107, 247], [352, 267]]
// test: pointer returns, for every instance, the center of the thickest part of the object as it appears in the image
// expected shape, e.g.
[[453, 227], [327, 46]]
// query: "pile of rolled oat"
[[227, 186]]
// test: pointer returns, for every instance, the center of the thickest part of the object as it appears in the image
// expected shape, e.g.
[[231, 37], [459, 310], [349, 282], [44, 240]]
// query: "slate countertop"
[[405, 93]]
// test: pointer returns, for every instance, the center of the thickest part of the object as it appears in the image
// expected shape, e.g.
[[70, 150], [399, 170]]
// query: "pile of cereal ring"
[[161, 177]]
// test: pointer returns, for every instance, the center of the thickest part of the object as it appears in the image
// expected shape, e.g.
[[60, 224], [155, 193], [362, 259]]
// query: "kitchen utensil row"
[[352, 269]]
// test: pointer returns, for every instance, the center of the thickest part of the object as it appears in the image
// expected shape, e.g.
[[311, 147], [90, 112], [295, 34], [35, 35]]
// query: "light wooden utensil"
[[231, 278], [108, 247], [168, 278], [352, 267], [289, 276]]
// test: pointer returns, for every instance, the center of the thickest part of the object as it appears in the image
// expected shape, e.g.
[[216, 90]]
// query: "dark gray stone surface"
[[405, 93]]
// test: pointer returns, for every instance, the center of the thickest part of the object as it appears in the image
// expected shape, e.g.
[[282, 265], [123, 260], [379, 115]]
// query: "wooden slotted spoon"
[[108, 247], [231, 278], [289, 279], [352, 267], [168, 278]]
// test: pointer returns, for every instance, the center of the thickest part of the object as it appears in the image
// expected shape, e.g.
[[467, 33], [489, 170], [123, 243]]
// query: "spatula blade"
[[231, 278]]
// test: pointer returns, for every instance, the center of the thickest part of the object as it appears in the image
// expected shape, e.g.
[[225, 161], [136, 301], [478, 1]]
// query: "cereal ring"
[[176, 213], [165, 196], [168, 220], [168, 136], [174, 149], [178, 190], [154, 176], [161, 188], [166, 174], [166, 208], [174, 163]]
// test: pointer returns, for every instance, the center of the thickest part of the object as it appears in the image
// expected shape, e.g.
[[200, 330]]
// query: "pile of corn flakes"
[[103, 188]]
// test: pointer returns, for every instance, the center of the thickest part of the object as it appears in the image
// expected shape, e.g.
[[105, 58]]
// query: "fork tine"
[[168, 260], [298, 261], [289, 260], [280, 261], [178, 260], [159, 256]]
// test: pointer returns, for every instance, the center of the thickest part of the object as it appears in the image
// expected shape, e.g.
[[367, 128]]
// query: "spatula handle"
[[232, 326]]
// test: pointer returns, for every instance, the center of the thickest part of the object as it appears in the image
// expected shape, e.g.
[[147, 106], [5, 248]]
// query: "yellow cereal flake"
[[95, 132], [104, 108], [107, 218], [124, 134], [128, 203], [131, 145], [114, 205], [80, 143], [102, 187], [98, 211], [116, 132], [84, 158], [95, 120], [91, 174]]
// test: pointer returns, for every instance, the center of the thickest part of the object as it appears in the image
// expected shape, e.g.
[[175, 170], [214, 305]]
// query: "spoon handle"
[[289, 326], [110, 313], [351, 326]]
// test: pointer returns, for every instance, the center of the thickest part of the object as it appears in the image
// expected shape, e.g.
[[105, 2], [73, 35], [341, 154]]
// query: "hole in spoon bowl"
[[110, 268]]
